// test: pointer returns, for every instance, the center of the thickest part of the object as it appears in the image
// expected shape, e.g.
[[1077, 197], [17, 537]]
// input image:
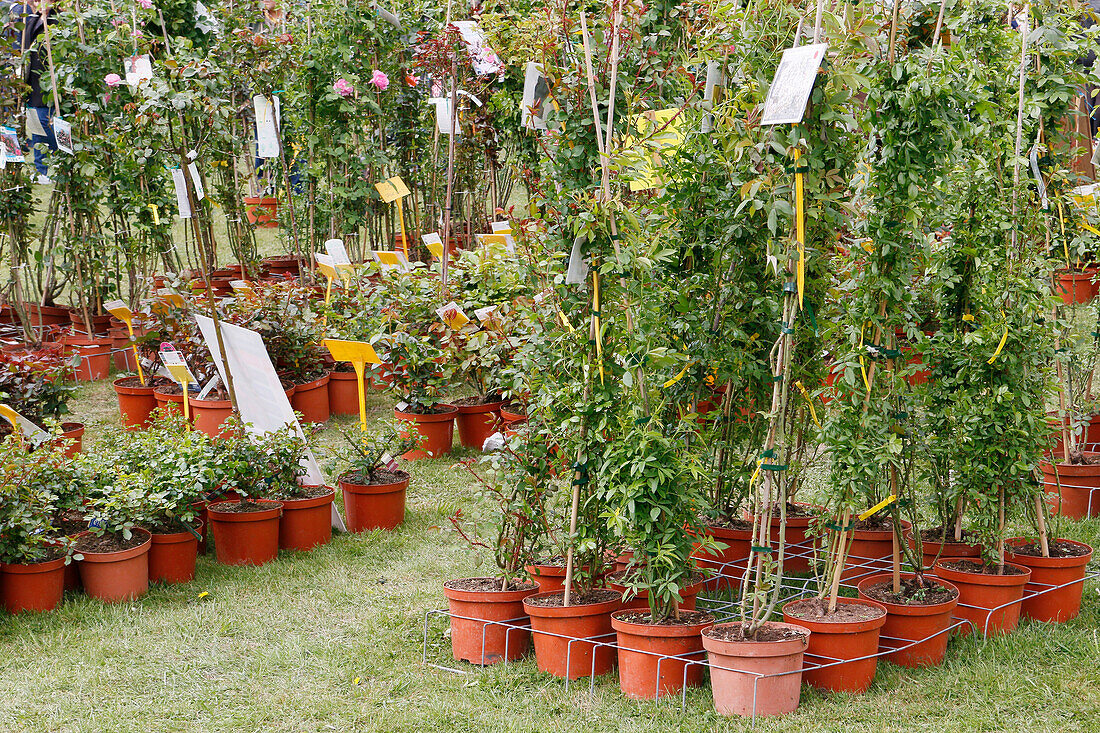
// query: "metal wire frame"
[[726, 606]]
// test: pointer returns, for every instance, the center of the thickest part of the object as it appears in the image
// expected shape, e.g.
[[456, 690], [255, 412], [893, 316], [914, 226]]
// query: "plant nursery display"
[[735, 356]]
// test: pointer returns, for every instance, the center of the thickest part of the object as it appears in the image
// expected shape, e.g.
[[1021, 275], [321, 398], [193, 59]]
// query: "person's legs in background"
[[41, 163]]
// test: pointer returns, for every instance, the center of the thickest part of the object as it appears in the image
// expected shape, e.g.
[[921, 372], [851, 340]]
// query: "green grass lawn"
[[332, 640]]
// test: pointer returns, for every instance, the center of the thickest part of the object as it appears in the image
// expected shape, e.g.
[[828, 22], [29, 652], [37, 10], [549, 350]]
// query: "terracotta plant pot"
[[476, 423], [282, 265], [306, 523], [343, 393], [262, 211], [549, 578], [1074, 489], [113, 577], [245, 538], [311, 399], [838, 640], [1041, 601], [46, 315], [508, 417], [640, 602], [123, 356], [799, 549], [170, 402], [135, 403], [208, 416], [870, 551], [474, 635], [95, 357], [736, 668], [906, 623], [1076, 286], [378, 506], [932, 549], [646, 669], [32, 587], [72, 438], [555, 630], [172, 556], [727, 567], [101, 325], [436, 430], [990, 602]]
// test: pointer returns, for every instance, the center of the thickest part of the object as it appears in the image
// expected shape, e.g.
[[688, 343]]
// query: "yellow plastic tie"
[[1004, 338], [862, 364], [878, 507], [596, 320], [810, 402], [678, 377]]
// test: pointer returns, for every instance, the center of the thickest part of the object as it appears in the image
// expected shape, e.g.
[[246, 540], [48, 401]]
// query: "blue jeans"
[[38, 140]]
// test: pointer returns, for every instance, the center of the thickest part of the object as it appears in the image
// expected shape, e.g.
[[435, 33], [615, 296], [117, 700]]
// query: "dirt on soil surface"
[[936, 534], [724, 522], [109, 542], [171, 388], [550, 562], [976, 568], [797, 510], [515, 408], [687, 618], [736, 632], [311, 492], [489, 399], [1080, 458], [619, 578], [487, 585], [243, 507], [425, 410], [69, 523], [874, 524], [816, 609], [149, 382], [167, 526], [1058, 548], [591, 598], [912, 593], [378, 477]]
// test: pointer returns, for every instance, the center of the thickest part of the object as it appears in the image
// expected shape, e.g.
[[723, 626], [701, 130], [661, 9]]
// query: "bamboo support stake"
[[1041, 521]]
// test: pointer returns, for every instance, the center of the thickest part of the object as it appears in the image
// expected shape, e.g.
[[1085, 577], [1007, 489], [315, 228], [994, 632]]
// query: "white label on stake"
[[337, 251], [137, 69], [196, 182], [63, 135], [181, 193], [793, 82], [267, 136]]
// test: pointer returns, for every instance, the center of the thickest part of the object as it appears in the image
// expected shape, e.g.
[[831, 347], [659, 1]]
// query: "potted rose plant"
[[372, 482]]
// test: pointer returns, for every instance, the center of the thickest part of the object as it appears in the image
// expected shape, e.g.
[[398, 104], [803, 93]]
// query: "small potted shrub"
[[373, 485], [114, 551], [419, 372], [37, 390], [476, 603], [246, 529], [652, 499], [32, 560], [307, 510]]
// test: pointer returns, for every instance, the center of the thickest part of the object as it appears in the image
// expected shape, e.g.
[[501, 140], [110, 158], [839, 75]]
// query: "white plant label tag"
[[62, 135], [182, 204]]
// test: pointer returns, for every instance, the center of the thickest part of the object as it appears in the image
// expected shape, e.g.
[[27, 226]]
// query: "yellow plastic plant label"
[[434, 244], [241, 286], [352, 351], [878, 507], [326, 265], [392, 260], [119, 310], [392, 189], [452, 315], [23, 425]]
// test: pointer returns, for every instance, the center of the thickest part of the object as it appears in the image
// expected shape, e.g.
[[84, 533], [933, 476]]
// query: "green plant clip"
[[773, 466], [790, 287], [758, 548], [838, 528]]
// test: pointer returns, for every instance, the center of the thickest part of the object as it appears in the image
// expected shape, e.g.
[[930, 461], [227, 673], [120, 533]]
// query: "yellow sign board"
[[434, 244], [359, 353], [452, 315], [393, 189], [119, 310]]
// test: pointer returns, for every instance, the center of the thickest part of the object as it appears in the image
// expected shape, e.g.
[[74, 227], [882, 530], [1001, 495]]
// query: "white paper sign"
[[137, 69], [267, 134], [323, 259], [484, 60], [501, 226], [9, 146], [62, 135], [337, 251], [34, 125], [716, 80], [793, 82], [536, 97], [387, 16], [196, 181], [442, 114], [180, 184], [260, 396]]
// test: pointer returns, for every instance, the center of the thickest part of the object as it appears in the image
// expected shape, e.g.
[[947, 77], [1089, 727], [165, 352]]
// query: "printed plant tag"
[[62, 135], [434, 244], [9, 146], [137, 69], [488, 316], [196, 181], [793, 82], [267, 134], [182, 204], [389, 462], [452, 315], [337, 251], [392, 189]]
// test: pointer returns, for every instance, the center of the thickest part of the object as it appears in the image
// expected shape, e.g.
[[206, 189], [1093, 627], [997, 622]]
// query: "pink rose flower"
[[138, 33], [113, 80], [118, 22], [145, 3], [342, 88], [379, 80]]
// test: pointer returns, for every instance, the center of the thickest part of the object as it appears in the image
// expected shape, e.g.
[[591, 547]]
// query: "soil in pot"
[[549, 575], [32, 586], [918, 613], [555, 626], [169, 398], [737, 663], [935, 544], [115, 569], [136, 401], [1044, 600], [989, 599], [640, 602], [436, 427], [483, 616], [477, 419], [849, 632], [311, 399], [245, 532], [174, 551], [376, 501], [658, 659], [726, 566], [307, 520], [870, 549]]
